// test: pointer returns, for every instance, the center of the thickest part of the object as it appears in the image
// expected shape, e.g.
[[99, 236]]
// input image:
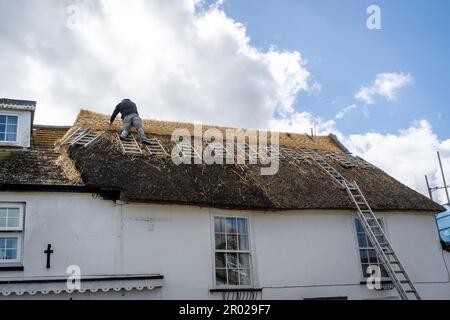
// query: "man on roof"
[[130, 117]]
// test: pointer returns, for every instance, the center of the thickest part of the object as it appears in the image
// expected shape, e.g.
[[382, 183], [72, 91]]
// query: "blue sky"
[[343, 55], [188, 60]]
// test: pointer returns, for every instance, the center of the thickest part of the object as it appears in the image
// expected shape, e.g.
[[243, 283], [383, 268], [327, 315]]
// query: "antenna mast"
[[445, 187]]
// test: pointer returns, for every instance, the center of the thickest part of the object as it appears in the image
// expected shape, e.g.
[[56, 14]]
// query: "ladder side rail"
[[162, 148], [86, 131], [136, 144], [379, 249], [376, 244], [97, 137], [382, 254], [121, 144], [241, 152], [70, 136], [68, 139], [318, 158]]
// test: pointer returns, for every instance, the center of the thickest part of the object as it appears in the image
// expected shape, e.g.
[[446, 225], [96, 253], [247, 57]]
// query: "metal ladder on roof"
[[373, 230], [322, 163], [188, 151], [86, 139], [218, 148], [129, 145], [383, 247], [296, 155], [341, 159], [81, 137], [77, 134], [245, 151], [154, 147]]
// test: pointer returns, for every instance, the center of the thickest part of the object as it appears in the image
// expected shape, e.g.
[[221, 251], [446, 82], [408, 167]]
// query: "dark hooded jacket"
[[126, 107]]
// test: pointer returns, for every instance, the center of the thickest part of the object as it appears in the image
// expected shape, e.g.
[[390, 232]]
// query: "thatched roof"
[[37, 166], [102, 166], [158, 179]]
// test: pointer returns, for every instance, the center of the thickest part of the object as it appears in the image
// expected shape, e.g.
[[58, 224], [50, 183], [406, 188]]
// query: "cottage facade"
[[90, 222]]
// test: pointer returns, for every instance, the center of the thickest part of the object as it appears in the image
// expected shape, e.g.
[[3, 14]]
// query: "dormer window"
[[8, 127], [16, 123]]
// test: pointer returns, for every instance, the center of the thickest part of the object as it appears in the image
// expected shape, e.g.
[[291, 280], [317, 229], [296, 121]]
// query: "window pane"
[[364, 269], [233, 277], [243, 243], [12, 120], [2, 136], [231, 225], [11, 129], [3, 212], [373, 257], [13, 223], [364, 256], [219, 225], [244, 261], [244, 277], [359, 227], [362, 241], [220, 260], [10, 137], [2, 119], [242, 226], [13, 212], [220, 242], [232, 260], [8, 248], [2, 128], [11, 243], [232, 242], [2, 222], [221, 277]]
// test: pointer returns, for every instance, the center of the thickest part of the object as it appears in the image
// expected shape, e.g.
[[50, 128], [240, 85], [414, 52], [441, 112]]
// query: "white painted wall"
[[302, 254], [24, 127]]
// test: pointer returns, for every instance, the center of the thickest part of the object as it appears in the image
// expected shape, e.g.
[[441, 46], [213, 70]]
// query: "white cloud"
[[341, 114], [385, 85], [408, 155], [182, 62], [303, 122], [177, 59]]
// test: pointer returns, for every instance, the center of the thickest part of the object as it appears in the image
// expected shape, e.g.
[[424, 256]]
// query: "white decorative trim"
[[17, 107], [99, 285]]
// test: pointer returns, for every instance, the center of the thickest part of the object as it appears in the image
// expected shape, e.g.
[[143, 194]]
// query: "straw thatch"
[[38, 166], [100, 123], [102, 166], [158, 179]]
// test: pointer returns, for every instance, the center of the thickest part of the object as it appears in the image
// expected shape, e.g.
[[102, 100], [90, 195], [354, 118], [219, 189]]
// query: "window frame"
[[382, 222], [18, 260], [7, 114], [253, 280], [14, 232]]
